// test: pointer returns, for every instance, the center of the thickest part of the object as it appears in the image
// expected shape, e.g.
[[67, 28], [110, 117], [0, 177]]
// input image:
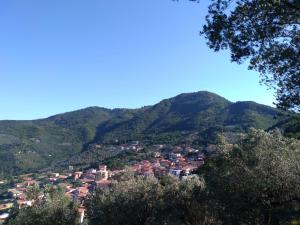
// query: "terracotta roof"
[[81, 209]]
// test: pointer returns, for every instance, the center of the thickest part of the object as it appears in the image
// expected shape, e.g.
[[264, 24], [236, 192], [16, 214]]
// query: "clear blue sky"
[[62, 55]]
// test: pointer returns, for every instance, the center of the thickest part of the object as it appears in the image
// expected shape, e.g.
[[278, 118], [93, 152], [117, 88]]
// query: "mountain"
[[198, 112], [28, 145], [194, 117]]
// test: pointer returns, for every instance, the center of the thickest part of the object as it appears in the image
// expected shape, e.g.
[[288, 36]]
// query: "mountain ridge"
[[26, 145]]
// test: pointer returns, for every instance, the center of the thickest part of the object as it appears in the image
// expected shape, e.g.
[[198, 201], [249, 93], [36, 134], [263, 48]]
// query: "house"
[[13, 193], [26, 178], [136, 168], [23, 203], [3, 217], [187, 170], [156, 163], [174, 171], [165, 163], [6, 206], [102, 167], [52, 179], [80, 193], [91, 171], [159, 146], [157, 154], [62, 177], [102, 174], [87, 181], [19, 185], [97, 146], [77, 175], [30, 183], [191, 150], [174, 156], [55, 174]]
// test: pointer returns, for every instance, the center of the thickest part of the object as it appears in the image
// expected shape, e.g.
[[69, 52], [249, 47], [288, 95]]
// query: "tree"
[[185, 203], [265, 32], [148, 201], [129, 202], [256, 181], [55, 208], [34, 192]]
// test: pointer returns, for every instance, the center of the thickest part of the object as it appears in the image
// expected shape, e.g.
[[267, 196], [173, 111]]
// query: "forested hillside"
[[28, 145]]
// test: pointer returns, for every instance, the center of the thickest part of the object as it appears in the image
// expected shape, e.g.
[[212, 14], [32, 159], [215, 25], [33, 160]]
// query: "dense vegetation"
[[290, 126], [51, 207], [28, 145], [255, 181]]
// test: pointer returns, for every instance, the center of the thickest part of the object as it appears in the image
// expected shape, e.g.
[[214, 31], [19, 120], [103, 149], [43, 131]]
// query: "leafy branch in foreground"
[[267, 32]]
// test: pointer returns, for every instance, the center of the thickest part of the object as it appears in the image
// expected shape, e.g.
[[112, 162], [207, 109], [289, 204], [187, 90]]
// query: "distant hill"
[[194, 117], [199, 112]]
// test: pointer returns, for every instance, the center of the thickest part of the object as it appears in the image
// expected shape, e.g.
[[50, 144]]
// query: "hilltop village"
[[177, 161]]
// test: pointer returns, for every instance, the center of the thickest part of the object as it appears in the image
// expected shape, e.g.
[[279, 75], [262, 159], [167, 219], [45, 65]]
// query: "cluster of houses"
[[78, 184], [175, 164]]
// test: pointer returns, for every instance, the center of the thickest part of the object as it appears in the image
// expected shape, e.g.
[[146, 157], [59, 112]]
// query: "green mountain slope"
[[190, 113], [28, 145], [290, 126]]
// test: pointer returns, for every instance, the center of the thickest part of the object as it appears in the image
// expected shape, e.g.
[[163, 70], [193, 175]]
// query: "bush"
[[53, 209], [257, 180]]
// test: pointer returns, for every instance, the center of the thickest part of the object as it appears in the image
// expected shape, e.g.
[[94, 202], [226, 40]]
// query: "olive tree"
[[256, 181], [185, 203], [149, 201], [54, 208], [128, 202]]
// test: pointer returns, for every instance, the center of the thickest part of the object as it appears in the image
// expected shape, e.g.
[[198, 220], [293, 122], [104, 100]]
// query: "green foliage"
[[4, 185], [128, 157], [256, 180], [133, 201], [54, 208], [76, 183], [290, 126], [34, 192], [26, 146], [265, 32], [140, 200], [184, 203]]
